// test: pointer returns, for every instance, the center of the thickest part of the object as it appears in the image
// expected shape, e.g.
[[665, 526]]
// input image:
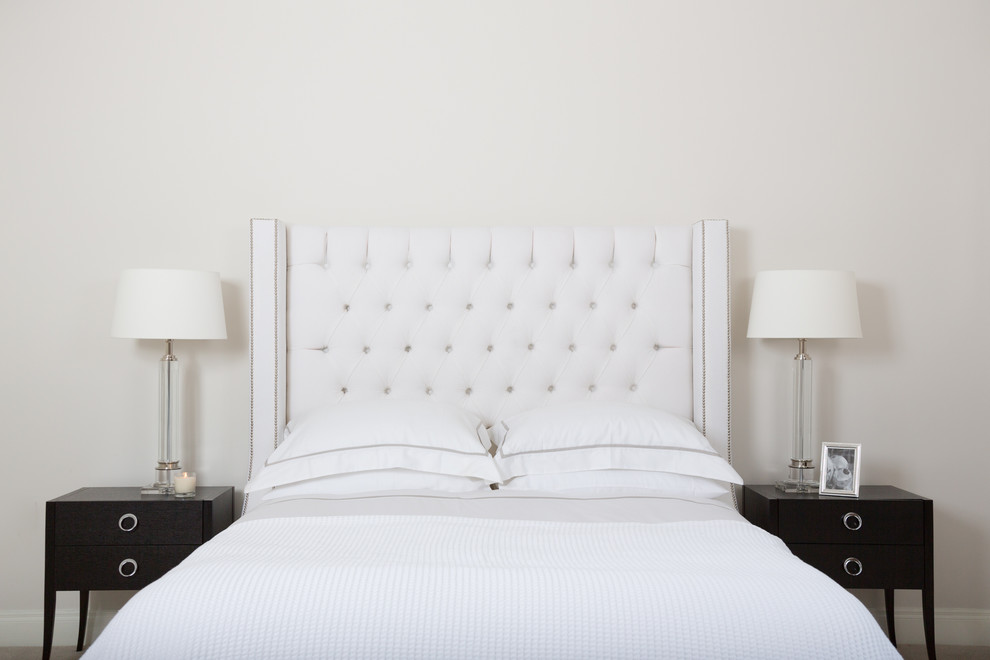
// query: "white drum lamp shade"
[[803, 304], [169, 305]]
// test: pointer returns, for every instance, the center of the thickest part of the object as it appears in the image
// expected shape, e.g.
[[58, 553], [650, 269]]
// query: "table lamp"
[[803, 304], [169, 305]]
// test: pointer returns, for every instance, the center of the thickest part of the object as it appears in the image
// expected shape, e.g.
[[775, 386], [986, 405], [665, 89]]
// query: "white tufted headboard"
[[497, 320]]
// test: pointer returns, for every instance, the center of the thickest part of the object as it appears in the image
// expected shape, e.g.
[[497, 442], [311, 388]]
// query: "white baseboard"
[[953, 626], [26, 627]]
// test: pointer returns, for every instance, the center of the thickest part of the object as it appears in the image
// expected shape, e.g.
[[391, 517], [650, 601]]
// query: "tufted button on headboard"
[[496, 320]]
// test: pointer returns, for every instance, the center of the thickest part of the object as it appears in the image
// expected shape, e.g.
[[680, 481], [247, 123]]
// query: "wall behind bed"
[[832, 134]]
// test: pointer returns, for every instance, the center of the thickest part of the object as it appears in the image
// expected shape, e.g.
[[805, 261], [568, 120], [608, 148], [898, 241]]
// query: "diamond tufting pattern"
[[496, 320]]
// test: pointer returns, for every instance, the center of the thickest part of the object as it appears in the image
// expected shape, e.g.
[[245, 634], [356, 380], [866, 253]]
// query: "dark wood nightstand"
[[118, 539], [881, 540]]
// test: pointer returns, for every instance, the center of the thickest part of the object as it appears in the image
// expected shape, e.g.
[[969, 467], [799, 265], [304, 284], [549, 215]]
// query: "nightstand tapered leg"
[[49, 630], [888, 605], [928, 612], [928, 591], [83, 612]]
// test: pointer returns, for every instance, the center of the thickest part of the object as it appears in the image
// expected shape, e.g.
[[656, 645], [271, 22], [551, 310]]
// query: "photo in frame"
[[840, 469]]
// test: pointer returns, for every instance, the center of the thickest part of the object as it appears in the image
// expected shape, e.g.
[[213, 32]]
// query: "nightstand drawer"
[[115, 567], [150, 523], [851, 521], [878, 566]]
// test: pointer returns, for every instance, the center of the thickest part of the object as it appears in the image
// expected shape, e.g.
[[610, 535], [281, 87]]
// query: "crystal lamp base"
[[799, 480], [163, 479], [792, 486], [156, 489]]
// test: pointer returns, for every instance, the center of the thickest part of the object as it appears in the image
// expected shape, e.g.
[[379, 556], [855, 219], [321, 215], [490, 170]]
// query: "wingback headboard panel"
[[497, 320]]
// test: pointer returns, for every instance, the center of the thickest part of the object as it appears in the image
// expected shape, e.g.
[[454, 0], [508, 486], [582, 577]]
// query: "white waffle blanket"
[[450, 587]]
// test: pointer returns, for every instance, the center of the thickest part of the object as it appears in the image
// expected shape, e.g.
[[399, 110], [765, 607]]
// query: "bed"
[[504, 442]]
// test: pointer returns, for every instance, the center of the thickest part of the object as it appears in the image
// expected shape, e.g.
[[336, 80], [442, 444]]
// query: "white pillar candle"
[[185, 483]]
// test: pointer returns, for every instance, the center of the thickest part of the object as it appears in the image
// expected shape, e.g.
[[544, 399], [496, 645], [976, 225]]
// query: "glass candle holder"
[[185, 484]]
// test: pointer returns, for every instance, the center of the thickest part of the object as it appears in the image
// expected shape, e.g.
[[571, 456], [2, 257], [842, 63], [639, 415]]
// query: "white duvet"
[[374, 586]]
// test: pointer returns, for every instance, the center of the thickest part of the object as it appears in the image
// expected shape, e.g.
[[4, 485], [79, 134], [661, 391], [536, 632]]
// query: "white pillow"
[[616, 482], [376, 435], [601, 435], [377, 480]]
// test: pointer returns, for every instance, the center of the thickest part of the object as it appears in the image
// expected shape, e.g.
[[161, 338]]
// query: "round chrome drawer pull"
[[853, 566], [127, 568], [852, 521], [128, 522]]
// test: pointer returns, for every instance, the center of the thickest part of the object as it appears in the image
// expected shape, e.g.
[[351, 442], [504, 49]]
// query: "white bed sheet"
[[494, 575], [504, 505]]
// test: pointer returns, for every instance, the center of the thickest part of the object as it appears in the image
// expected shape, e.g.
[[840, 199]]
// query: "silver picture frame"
[[841, 467]]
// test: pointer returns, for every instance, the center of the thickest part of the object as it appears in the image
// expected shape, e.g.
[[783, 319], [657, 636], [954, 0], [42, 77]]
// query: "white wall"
[[832, 134]]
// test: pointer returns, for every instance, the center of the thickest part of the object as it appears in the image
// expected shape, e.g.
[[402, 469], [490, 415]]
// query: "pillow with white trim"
[[390, 479], [353, 437], [594, 435], [620, 482]]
